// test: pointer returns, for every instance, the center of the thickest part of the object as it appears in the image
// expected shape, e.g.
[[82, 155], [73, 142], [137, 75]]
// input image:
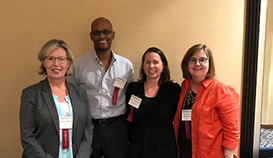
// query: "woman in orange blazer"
[[206, 122]]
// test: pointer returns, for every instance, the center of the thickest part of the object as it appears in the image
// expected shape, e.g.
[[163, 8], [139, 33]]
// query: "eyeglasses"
[[97, 32], [51, 59], [201, 60]]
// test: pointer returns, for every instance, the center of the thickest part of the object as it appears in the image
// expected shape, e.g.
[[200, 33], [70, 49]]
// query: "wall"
[[267, 108], [173, 26], [259, 81]]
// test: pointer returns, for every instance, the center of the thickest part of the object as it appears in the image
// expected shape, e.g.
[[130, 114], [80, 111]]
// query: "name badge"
[[66, 122], [186, 115], [135, 101], [120, 83]]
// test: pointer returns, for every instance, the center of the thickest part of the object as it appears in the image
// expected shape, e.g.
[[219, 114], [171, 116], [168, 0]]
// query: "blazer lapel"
[[51, 104], [74, 100], [141, 92]]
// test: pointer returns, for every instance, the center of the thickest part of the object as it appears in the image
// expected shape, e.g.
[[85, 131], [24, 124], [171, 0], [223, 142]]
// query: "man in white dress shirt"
[[104, 75]]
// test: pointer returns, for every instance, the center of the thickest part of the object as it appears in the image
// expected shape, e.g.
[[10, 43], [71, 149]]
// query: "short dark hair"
[[165, 75], [190, 53]]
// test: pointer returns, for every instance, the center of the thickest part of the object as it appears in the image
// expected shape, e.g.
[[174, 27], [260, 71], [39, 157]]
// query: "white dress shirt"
[[89, 73]]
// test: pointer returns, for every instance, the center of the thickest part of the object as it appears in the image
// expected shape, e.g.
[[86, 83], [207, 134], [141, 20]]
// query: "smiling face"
[[197, 70], [152, 65], [102, 34], [56, 64]]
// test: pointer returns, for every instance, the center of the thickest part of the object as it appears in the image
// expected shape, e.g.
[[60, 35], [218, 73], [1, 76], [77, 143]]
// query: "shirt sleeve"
[[31, 145], [131, 74], [72, 78], [228, 110]]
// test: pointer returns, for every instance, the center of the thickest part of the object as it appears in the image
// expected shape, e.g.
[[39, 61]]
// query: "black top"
[[185, 144], [154, 114]]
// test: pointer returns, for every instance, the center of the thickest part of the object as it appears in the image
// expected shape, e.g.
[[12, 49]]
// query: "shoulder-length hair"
[[190, 53], [165, 75], [49, 47]]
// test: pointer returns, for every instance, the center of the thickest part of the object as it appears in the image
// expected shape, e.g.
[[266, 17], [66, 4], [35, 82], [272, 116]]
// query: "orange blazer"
[[214, 119]]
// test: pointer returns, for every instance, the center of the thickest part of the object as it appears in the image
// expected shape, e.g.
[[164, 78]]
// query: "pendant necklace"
[[191, 97]]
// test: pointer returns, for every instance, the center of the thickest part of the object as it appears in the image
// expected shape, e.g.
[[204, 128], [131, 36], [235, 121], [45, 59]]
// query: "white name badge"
[[66, 122], [120, 82], [135, 101], [186, 115]]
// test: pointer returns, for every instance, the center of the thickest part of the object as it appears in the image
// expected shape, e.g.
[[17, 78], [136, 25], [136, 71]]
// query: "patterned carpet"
[[266, 143], [266, 138]]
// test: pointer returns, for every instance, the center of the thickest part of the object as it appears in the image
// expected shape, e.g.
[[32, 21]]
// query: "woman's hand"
[[228, 153]]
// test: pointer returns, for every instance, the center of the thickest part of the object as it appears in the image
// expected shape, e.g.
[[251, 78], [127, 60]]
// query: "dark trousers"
[[110, 140], [137, 150]]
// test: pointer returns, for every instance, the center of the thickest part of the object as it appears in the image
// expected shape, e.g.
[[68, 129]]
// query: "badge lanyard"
[[187, 123], [65, 131], [65, 134], [135, 103], [118, 84], [115, 96], [131, 114]]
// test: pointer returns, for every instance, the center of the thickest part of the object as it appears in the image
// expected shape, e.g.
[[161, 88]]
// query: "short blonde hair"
[[49, 47]]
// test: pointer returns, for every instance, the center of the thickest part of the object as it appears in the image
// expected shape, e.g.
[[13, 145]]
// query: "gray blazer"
[[39, 122]]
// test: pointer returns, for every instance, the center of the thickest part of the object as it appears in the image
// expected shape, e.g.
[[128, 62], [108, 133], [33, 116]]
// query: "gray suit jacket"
[[39, 122]]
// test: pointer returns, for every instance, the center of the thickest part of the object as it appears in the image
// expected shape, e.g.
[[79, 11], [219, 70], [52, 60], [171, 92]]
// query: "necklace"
[[191, 97]]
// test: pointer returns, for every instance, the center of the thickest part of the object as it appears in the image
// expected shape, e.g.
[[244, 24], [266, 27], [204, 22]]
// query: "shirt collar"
[[96, 58], [205, 83]]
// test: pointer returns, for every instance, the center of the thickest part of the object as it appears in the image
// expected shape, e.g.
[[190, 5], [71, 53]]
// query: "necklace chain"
[[191, 98]]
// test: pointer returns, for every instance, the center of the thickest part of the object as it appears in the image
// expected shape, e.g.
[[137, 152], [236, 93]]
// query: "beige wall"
[[267, 108], [173, 26]]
